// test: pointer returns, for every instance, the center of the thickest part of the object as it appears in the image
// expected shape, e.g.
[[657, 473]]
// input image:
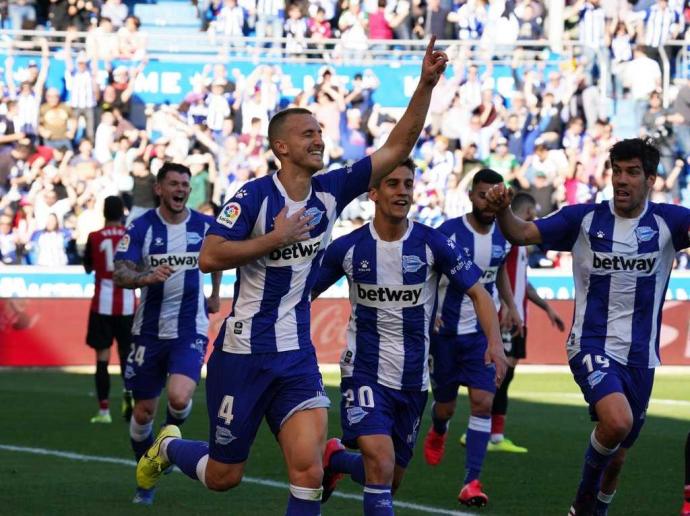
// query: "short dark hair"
[[522, 199], [278, 120], [113, 208], [408, 164], [486, 175], [172, 167], [642, 149]]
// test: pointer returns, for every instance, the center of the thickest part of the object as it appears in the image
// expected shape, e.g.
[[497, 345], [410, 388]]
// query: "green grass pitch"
[[50, 411]]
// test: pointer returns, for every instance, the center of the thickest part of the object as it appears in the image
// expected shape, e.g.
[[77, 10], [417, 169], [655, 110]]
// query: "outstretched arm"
[[516, 230], [404, 135]]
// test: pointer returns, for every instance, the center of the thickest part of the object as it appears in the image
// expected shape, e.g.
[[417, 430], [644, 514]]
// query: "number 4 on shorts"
[[225, 411]]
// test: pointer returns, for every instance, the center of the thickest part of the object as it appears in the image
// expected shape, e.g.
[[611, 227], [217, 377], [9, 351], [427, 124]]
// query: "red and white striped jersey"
[[516, 266], [98, 256]]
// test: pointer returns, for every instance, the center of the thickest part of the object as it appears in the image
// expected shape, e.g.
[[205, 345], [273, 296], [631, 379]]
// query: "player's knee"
[[307, 475], [179, 400], [143, 413], [380, 467], [222, 481], [482, 406], [444, 410], [618, 427]]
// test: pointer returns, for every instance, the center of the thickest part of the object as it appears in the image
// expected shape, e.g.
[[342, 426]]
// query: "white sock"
[[139, 432], [497, 438], [201, 469], [306, 493], [180, 414]]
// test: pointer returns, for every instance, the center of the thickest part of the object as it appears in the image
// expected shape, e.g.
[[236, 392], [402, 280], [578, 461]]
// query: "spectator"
[[132, 42], [102, 42], [9, 241], [22, 14], [115, 12], [82, 86], [295, 31], [143, 195], [48, 246], [57, 124]]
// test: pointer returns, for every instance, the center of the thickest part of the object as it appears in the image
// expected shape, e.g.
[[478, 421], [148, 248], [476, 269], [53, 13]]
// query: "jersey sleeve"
[[677, 219], [238, 216], [131, 245], [345, 184], [559, 230], [331, 267], [450, 261]]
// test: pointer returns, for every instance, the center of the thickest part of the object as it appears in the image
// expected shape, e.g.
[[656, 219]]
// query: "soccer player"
[[623, 252], [392, 266], [274, 231], [459, 344], [159, 253], [525, 207], [111, 308]]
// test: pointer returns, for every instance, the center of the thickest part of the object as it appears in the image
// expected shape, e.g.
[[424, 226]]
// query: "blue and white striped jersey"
[[270, 309], [488, 252], [621, 268], [176, 307], [393, 295]]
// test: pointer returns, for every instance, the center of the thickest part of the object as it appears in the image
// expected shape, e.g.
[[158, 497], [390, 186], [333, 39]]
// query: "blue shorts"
[[600, 375], [457, 360], [243, 389], [369, 408], [151, 360]]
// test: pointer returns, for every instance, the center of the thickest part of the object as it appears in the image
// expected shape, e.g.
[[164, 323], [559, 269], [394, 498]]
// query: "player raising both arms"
[[623, 253], [160, 254], [111, 308], [392, 266], [274, 231]]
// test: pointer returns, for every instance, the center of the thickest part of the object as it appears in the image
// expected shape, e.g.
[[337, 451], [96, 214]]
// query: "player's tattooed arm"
[[404, 135], [128, 274]]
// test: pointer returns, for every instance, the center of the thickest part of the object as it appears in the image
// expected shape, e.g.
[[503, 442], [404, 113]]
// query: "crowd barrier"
[[43, 316]]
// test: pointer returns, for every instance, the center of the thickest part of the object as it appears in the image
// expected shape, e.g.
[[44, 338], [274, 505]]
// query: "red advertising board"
[[51, 332]]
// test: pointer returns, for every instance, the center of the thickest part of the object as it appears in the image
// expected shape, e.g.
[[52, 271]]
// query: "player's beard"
[[482, 217]]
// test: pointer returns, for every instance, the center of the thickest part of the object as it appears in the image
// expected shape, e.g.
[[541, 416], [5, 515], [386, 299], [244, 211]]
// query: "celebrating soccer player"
[[111, 308], [392, 266], [623, 253], [459, 344], [274, 231], [160, 254]]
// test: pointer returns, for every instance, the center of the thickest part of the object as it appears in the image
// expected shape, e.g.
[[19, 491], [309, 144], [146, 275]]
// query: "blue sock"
[[186, 454], [478, 435], [303, 502], [440, 425], [597, 458], [378, 500], [350, 463], [177, 417]]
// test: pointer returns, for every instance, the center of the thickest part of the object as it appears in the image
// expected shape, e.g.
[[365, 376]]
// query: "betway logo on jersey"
[[178, 261], [294, 254], [384, 296], [489, 275], [643, 263]]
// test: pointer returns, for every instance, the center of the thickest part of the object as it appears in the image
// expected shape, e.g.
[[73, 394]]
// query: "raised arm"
[[516, 230], [404, 135]]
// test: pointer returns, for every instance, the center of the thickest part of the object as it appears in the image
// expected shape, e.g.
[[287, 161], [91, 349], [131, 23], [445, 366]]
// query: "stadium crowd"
[[63, 151]]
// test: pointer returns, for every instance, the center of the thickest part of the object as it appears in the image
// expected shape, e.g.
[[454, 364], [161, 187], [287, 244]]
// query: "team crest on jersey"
[[123, 245], [230, 213], [364, 266], [645, 233], [316, 215], [412, 263], [193, 238], [158, 242], [595, 378], [497, 251]]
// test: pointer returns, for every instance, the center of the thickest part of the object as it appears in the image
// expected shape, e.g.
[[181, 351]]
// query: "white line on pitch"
[[578, 396], [251, 480]]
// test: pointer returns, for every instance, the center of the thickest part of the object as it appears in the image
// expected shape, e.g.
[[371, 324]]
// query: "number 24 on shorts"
[[136, 355]]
